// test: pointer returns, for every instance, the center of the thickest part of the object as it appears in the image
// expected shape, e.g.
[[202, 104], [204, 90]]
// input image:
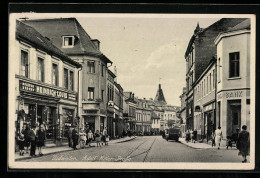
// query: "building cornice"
[[231, 33]]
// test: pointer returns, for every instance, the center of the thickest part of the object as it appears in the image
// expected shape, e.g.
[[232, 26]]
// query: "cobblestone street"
[[143, 149]]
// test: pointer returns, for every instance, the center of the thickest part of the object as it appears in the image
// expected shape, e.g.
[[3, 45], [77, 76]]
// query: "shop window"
[[71, 81], [234, 64], [68, 41], [24, 71], [55, 74], [40, 69], [65, 78], [90, 93], [91, 66]]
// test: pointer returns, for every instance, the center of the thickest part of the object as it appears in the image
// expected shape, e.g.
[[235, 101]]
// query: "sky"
[[144, 48]]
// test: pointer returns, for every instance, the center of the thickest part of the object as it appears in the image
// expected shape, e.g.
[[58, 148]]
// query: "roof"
[[32, 36], [219, 26], [159, 95], [54, 29], [241, 26], [111, 73]]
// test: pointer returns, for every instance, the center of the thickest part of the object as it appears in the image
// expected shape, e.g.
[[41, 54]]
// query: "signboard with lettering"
[[43, 90], [230, 94]]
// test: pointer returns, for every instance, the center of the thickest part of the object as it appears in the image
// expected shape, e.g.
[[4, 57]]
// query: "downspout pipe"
[[78, 98]]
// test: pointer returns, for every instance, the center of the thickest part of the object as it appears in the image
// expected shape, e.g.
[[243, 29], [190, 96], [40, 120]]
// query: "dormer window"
[[68, 41]]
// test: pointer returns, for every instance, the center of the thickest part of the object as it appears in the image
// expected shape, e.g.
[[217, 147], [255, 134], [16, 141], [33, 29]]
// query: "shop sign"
[[25, 86], [231, 94]]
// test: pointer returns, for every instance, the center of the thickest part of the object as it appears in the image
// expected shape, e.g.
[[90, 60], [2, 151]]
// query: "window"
[[234, 64], [210, 82], [68, 41], [65, 78], [40, 69], [102, 95], [103, 70], [219, 78], [24, 64], [55, 74], [90, 93], [202, 90], [71, 82], [213, 78], [91, 66]]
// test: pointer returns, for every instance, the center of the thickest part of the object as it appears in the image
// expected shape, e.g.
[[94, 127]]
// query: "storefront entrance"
[[90, 120], [235, 115]]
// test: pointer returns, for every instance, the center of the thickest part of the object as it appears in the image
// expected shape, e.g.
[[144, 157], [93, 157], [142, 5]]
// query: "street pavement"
[[144, 149]]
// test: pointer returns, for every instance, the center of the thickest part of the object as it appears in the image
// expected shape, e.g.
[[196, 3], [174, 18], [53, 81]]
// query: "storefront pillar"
[[243, 112], [224, 120], [97, 123]]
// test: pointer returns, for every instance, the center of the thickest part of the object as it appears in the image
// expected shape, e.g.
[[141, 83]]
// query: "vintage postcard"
[[131, 91]]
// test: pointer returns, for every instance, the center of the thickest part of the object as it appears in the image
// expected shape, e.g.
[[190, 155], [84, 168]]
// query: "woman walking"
[[218, 136], [105, 136], [40, 139], [243, 143]]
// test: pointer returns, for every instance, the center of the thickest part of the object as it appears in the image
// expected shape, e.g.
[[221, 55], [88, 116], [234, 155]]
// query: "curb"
[[223, 147], [24, 158]]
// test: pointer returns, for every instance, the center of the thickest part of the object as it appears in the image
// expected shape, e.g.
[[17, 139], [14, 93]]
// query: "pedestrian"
[[218, 136], [26, 132], [32, 135], [75, 137], [105, 136], [187, 136], [83, 138], [40, 139], [192, 135], [243, 143], [213, 139], [90, 137], [20, 140], [229, 142], [195, 135], [98, 138], [70, 137]]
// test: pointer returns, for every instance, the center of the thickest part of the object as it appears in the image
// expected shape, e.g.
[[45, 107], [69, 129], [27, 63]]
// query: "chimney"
[[133, 96], [197, 28], [96, 43], [159, 86]]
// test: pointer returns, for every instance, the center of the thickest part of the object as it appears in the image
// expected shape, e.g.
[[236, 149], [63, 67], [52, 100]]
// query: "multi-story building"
[[233, 78], [143, 116], [129, 112], [46, 84], [182, 112], [120, 123], [170, 115], [110, 108], [69, 36], [199, 52], [204, 102]]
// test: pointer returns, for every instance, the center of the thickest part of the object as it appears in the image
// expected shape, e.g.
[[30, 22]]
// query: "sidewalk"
[[52, 148], [198, 145]]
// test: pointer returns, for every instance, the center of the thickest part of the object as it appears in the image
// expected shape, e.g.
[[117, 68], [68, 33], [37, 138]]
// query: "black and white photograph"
[[131, 91]]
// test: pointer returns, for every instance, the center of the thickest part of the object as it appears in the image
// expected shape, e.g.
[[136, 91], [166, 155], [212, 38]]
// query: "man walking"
[[75, 137]]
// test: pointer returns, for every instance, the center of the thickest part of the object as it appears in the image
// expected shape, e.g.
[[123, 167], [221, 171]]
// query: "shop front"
[[209, 120], [233, 111], [42, 104]]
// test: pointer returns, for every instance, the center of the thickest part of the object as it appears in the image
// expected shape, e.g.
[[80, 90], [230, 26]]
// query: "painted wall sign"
[[26, 86], [230, 94]]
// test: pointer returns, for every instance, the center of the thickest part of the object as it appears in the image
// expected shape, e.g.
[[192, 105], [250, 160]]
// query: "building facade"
[[129, 110], [204, 102], [233, 78], [199, 52], [46, 85], [69, 36]]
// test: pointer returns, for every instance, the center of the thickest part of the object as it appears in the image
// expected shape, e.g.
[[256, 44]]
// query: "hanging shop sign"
[[35, 88]]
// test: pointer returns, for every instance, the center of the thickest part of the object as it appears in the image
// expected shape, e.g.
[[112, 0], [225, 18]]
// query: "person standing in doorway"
[[32, 135], [218, 136], [40, 139], [243, 143]]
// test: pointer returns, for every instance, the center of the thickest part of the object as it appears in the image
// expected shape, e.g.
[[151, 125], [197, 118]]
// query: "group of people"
[[86, 137], [191, 135], [242, 141], [31, 138]]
